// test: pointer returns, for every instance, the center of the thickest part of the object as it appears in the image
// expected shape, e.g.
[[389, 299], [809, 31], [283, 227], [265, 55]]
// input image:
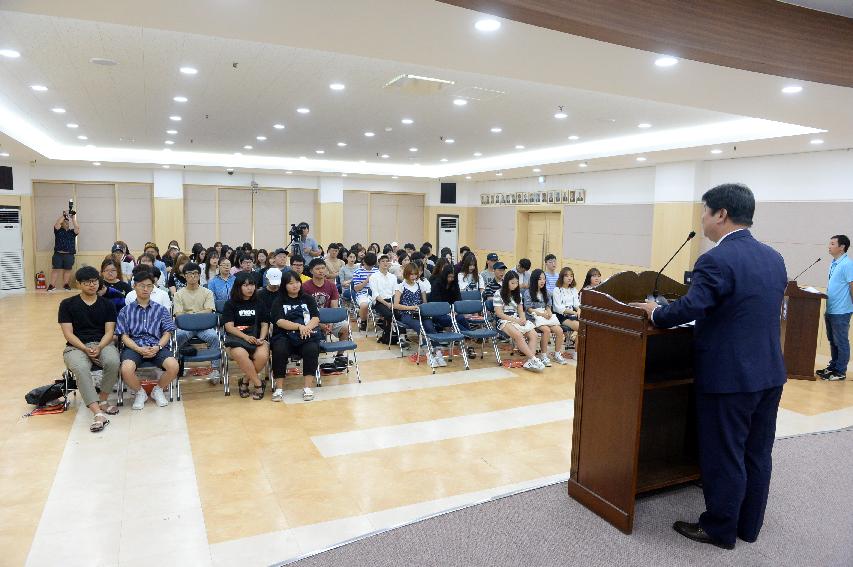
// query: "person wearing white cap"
[[394, 247]]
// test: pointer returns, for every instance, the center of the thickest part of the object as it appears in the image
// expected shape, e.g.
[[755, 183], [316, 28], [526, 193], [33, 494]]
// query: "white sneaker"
[[214, 377], [439, 358], [278, 395], [307, 394], [159, 396], [139, 399], [545, 360], [559, 358], [533, 364], [432, 360]]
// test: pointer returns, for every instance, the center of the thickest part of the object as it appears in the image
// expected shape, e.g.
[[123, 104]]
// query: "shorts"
[[363, 299], [62, 261], [158, 360], [338, 327]]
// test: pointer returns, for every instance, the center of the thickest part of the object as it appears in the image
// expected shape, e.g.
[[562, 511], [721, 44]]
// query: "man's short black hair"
[[842, 240], [314, 263], [370, 259], [737, 199], [525, 263], [425, 250], [463, 250], [550, 257], [297, 260], [193, 267], [240, 260], [87, 273], [144, 275], [408, 246]]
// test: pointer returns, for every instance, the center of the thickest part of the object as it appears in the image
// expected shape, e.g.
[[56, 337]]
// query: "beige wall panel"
[[200, 215], [135, 210], [49, 200], [331, 223], [495, 228], [302, 207], [614, 234], [270, 216], [356, 206], [97, 206], [383, 218], [235, 216], [410, 219], [169, 222]]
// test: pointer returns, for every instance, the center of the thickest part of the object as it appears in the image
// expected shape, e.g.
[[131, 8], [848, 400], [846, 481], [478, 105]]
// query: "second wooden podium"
[[634, 414]]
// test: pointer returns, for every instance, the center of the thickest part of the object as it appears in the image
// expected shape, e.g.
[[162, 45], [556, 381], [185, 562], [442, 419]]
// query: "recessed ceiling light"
[[278, 126], [81, 137], [716, 151], [289, 172], [460, 102], [180, 99], [189, 70], [261, 138], [171, 132], [487, 25], [641, 158], [364, 161], [413, 149], [369, 134], [4, 154], [792, 89], [342, 144], [38, 88], [168, 142], [467, 177], [302, 157], [343, 174], [499, 174], [58, 110], [644, 125], [478, 154], [384, 156], [303, 110], [561, 115], [103, 61], [536, 170], [175, 118], [388, 129], [337, 86], [496, 130], [449, 141], [816, 141], [394, 177], [319, 151], [519, 147], [443, 159], [165, 167], [247, 147], [10, 53], [583, 164], [666, 61], [96, 163], [407, 121], [72, 125], [574, 137]]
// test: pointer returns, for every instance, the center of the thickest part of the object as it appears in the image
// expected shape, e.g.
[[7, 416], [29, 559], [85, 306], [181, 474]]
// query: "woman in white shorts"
[[539, 307], [511, 320]]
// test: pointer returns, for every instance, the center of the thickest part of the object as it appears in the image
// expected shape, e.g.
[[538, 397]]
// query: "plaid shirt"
[[145, 325]]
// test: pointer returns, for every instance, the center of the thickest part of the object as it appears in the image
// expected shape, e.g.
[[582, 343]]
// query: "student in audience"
[[171, 255], [150, 262], [145, 328], [65, 231], [592, 279], [394, 263], [523, 271], [158, 294], [382, 284], [123, 259], [262, 260], [551, 273], [222, 283], [333, 261], [325, 294], [218, 247], [210, 266], [488, 274], [409, 248], [278, 259], [538, 305], [394, 248], [429, 258], [346, 272], [246, 329], [196, 299], [116, 289], [566, 300], [408, 297], [469, 276], [361, 286], [195, 253], [228, 253], [388, 250], [404, 260], [297, 264], [509, 311], [88, 324], [267, 294], [359, 256], [176, 279], [247, 265], [151, 248], [423, 277], [445, 288], [310, 248], [374, 247], [494, 286], [295, 321]]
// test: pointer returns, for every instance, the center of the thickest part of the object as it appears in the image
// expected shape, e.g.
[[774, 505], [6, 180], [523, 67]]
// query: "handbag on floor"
[[49, 395]]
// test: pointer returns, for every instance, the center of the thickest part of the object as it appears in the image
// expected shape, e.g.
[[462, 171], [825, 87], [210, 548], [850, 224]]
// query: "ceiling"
[[605, 90], [837, 7]]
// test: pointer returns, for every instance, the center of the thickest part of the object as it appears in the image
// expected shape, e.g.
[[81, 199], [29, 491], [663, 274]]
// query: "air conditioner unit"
[[448, 234], [11, 250]]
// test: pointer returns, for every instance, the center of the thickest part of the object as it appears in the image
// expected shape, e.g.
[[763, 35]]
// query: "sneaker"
[[362, 326], [278, 395], [159, 396], [533, 364], [823, 373], [307, 394], [139, 399], [439, 358], [558, 357], [51, 288], [545, 360], [835, 376], [431, 360], [214, 378], [66, 287]]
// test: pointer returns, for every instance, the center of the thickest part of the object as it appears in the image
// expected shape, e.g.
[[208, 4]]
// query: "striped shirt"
[[551, 281], [145, 325], [361, 275]]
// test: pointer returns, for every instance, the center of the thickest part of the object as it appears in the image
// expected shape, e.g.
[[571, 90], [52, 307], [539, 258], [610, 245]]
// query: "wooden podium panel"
[[634, 420], [800, 324]]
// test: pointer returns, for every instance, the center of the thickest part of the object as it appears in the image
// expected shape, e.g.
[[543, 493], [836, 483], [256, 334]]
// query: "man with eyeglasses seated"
[[88, 323], [158, 294], [196, 299], [145, 328]]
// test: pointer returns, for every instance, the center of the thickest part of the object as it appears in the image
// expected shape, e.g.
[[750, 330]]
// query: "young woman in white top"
[[566, 300], [539, 306], [469, 276], [509, 311]]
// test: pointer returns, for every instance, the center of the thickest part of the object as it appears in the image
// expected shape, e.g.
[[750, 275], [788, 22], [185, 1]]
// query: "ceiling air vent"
[[477, 93], [417, 84]]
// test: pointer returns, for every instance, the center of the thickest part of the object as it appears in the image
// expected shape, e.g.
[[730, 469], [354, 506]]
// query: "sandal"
[[259, 392], [108, 408], [243, 388], [98, 425]]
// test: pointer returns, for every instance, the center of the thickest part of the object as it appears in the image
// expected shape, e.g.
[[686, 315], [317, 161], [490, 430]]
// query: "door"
[[544, 236]]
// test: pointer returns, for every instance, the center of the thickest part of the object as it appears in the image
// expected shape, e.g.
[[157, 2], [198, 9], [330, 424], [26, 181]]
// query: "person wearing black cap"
[[495, 284], [310, 248], [488, 274]]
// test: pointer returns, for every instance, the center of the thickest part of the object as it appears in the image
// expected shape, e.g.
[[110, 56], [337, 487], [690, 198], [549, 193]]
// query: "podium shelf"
[[653, 475], [658, 384]]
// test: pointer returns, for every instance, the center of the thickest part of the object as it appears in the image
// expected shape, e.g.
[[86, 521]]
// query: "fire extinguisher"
[[41, 281]]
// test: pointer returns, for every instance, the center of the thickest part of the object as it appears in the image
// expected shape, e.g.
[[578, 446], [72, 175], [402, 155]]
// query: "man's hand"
[[93, 352], [647, 306]]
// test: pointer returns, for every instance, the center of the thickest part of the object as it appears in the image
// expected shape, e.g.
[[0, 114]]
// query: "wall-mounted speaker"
[[448, 193], [6, 177]]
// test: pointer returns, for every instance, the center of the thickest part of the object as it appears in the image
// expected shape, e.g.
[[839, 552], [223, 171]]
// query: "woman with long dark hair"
[[509, 311], [246, 328], [445, 288], [593, 278], [539, 307], [469, 274]]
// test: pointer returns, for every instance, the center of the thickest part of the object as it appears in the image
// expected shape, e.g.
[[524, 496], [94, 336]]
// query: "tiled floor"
[[230, 481]]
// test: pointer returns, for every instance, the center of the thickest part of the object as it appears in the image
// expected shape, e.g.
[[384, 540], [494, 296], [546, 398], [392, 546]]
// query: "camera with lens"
[[295, 232]]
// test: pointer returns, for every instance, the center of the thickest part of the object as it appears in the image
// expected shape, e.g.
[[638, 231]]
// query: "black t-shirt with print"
[[177, 281], [88, 320], [299, 310], [246, 314]]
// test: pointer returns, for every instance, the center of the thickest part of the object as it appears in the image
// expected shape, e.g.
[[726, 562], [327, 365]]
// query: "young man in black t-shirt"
[[88, 323]]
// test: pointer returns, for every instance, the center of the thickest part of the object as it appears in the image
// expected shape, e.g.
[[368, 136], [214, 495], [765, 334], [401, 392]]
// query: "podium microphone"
[[806, 270], [659, 299]]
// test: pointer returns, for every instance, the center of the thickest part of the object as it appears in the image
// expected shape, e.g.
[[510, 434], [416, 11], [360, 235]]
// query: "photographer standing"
[[310, 249], [65, 231]]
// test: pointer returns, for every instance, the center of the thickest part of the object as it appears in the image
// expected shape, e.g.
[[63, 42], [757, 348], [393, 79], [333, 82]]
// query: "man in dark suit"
[[735, 299]]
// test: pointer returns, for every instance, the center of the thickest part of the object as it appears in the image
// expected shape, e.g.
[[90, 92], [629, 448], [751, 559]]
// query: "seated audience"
[[295, 321], [222, 282], [408, 297], [246, 329], [566, 300], [176, 279], [426, 250], [469, 276], [382, 284], [509, 311], [247, 265], [409, 248], [489, 273], [210, 266], [88, 324], [196, 299], [445, 288], [361, 286], [333, 261], [262, 262], [145, 328], [538, 305], [197, 248], [346, 272], [158, 295], [495, 285], [523, 271], [592, 279], [115, 289], [395, 261], [126, 260], [278, 259], [297, 264], [171, 254], [374, 247], [325, 294], [551, 273], [151, 248], [269, 292]]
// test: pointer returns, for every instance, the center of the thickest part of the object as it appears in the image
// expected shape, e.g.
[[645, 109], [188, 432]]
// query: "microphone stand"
[[659, 299], [806, 270]]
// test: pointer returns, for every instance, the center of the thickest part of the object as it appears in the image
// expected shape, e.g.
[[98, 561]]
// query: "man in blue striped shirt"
[[551, 274], [145, 328], [361, 285]]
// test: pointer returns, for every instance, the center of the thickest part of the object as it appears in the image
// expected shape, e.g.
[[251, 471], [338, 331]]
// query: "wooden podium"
[[800, 323], [634, 421]]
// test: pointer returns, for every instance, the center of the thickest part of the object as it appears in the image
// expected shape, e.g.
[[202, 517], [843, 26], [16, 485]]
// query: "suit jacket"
[[736, 299]]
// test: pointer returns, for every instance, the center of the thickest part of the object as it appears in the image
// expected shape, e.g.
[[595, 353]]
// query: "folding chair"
[[471, 307], [329, 316], [146, 366], [437, 309], [472, 295], [200, 322], [400, 330]]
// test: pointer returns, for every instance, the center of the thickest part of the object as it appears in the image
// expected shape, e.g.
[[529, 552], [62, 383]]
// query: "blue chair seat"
[[339, 346], [205, 355], [480, 333], [445, 337]]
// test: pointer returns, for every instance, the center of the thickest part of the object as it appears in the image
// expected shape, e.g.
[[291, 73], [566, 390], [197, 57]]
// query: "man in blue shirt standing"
[[839, 307]]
